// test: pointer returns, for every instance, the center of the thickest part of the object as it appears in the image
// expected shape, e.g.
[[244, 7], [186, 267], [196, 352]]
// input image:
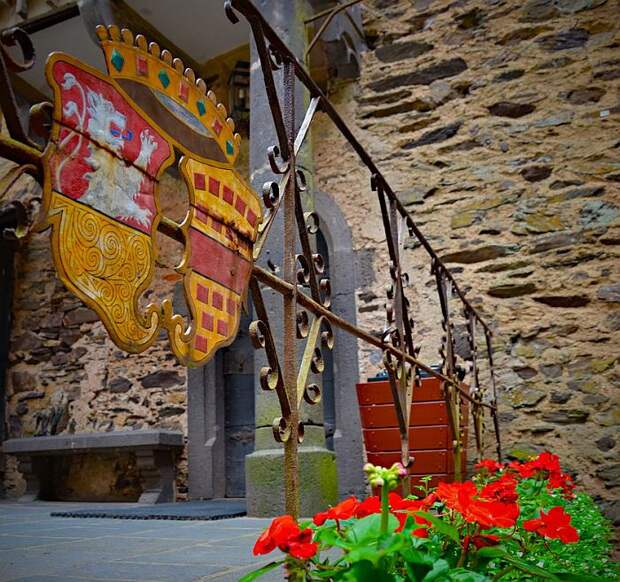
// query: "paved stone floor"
[[35, 547]]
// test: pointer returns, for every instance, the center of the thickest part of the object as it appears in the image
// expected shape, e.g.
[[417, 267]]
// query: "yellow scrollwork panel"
[[107, 265]]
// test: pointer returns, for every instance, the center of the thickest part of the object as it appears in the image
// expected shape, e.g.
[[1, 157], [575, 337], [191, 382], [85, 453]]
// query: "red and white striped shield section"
[[224, 219]]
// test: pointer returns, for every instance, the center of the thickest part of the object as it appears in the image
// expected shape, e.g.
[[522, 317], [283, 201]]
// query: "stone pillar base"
[[264, 481], [157, 472], [37, 472]]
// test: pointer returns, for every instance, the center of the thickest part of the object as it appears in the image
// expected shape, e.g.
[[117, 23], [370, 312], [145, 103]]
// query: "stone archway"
[[347, 435]]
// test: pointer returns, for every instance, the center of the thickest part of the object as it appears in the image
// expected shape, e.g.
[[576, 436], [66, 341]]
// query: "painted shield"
[[113, 136], [222, 224], [100, 197]]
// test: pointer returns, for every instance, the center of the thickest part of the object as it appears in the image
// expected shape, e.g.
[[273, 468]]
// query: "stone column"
[[206, 455], [264, 467]]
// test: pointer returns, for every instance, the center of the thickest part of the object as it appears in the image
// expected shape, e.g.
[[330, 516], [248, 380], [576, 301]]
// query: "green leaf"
[[330, 537], [440, 525], [364, 554], [256, 573], [580, 577], [440, 567], [499, 552], [492, 552], [530, 568], [366, 572], [369, 528], [331, 574], [417, 557], [463, 575]]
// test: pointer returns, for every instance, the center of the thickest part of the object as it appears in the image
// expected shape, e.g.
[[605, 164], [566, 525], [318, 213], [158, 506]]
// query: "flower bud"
[[377, 482], [399, 470]]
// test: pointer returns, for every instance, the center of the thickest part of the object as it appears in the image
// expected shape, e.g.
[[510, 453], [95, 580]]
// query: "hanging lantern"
[[239, 95]]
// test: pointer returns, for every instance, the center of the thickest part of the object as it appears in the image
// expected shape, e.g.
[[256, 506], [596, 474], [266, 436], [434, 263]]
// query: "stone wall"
[[66, 375], [497, 124]]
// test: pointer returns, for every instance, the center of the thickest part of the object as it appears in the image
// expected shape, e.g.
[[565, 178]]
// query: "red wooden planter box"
[[430, 436]]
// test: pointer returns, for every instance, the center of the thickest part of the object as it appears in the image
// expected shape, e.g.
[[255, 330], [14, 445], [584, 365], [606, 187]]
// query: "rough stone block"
[[264, 472]]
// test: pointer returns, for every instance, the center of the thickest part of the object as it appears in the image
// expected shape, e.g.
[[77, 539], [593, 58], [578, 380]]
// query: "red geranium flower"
[[489, 465], [544, 462], [456, 496], [277, 534], [503, 489], [493, 513], [546, 465], [484, 540], [547, 462], [369, 506], [285, 534], [554, 525], [344, 510], [403, 508], [301, 545], [464, 498], [264, 544], [558, 480], [397, 503]]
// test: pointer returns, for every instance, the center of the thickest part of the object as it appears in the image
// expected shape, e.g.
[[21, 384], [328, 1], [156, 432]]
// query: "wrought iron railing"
[[304, 289]]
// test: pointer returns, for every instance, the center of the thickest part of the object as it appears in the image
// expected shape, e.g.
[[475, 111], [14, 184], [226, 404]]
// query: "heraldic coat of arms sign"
[[113, 136]]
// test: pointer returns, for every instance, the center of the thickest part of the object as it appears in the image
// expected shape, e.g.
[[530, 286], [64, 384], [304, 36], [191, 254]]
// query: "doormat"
[[181, 511]]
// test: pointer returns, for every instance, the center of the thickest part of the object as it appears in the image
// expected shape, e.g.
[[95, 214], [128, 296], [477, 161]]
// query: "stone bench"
[[154, 449]]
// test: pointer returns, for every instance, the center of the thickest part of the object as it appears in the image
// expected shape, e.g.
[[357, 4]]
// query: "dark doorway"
[[329, 398], [238, 377]]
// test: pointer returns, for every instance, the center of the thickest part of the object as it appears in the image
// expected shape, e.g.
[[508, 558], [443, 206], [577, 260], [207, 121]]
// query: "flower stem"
[[385, 508]]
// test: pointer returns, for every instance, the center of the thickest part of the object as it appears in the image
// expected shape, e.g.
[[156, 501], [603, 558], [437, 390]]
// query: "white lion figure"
[[113, 185]]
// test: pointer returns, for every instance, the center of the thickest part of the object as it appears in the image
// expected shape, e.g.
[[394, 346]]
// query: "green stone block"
[[201, 107], [599, 366], [538, 223], [264, 478], [230, 149], [463, 219]]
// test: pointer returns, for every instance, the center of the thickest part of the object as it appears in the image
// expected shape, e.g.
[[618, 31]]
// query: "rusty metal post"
[[291, 459], [489, 344]]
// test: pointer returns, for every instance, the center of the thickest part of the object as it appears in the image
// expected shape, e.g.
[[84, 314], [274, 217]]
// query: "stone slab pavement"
[[35, 547]]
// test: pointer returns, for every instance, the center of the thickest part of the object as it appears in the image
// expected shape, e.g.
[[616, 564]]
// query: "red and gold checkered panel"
[[222, 194], [224, 218], [217, 315]]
